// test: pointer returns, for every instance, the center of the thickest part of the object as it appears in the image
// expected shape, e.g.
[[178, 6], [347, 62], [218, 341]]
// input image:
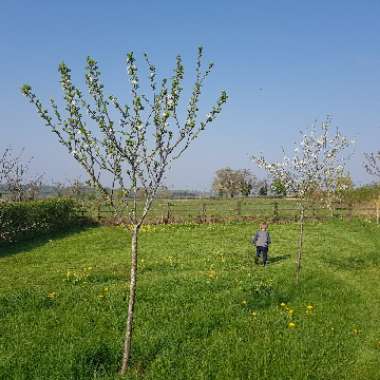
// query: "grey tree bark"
[[131, 305], [300, 244]]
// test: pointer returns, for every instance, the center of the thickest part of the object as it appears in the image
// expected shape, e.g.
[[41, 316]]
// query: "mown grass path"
[[205, 311]]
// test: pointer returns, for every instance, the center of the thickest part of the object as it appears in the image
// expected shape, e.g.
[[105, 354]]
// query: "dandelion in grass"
[[52, 295], [211, 274], [309, 309], [244, 302], [254, 314], [290, 312], [291, 325], [283, 305]]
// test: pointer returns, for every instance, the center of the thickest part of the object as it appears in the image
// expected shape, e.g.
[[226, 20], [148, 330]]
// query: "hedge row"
[[21, 221]]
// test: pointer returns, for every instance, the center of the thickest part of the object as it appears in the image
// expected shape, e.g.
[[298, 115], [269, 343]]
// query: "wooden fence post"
[[204, 213], [168, 214], [238, 208]]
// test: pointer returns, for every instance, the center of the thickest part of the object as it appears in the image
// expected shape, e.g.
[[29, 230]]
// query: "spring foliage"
[[21, 221]]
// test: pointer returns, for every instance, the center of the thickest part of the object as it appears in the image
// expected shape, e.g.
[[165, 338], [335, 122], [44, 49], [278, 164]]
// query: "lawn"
[[204, 311]]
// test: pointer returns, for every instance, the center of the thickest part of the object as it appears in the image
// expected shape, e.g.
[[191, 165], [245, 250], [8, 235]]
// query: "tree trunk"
[[131, 306], [300, 244]]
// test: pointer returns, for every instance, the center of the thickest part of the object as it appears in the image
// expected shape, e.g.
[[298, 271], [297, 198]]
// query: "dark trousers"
[[262, 251]]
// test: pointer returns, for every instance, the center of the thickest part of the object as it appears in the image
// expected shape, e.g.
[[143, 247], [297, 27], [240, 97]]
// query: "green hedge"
[[26, 220]]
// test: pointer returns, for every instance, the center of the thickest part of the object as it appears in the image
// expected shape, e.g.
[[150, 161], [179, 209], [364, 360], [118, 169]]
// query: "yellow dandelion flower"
[[52, 295], [101, 295], [106, 289], [282, 304], [309, 307], [291, 325], [244, 302], [211, 274], [290, 312], [254, 314]]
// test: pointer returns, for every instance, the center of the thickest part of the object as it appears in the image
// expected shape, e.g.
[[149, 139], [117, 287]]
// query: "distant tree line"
[[230, 183]]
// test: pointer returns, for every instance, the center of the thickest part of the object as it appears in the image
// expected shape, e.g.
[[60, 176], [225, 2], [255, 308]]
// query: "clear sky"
[[284, 64]]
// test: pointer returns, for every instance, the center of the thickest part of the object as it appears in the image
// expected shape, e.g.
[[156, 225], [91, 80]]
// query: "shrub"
[[26, 220]]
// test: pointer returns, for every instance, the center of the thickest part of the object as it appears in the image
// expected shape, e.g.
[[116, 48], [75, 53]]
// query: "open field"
[[204, 311], [253, 208]]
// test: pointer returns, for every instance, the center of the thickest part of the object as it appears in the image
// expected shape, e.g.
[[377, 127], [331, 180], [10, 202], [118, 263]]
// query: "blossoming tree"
[[372, 163], [316, 166], [15, 176], [133, 150]]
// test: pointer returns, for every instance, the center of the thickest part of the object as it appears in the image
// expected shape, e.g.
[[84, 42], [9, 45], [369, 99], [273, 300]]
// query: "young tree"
[[6, 165], [15, 175], [372, 163], [136, 149], [34, 188], [77, 188], [59, 189], [317, 164]]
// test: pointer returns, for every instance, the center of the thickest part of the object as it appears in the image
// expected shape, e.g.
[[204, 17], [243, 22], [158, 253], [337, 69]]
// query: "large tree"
[[226, 182], [248, 182], [134, 148], [229, 183]]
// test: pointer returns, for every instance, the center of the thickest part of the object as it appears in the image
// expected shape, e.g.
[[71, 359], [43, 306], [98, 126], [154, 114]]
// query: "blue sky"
[[283, 63]]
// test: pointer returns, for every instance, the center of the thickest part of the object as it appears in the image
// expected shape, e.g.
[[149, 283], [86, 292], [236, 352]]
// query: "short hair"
[[264, 225]]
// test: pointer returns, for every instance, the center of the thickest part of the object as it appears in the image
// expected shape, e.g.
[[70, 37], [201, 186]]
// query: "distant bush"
[[25, 220], [362, 194]]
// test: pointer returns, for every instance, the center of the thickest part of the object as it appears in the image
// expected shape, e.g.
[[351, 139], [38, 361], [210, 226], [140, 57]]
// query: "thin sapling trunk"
[[132, 301], [300, 243]]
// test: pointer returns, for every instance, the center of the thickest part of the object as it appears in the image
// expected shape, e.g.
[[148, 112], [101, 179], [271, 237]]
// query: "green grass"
[[226, 210], [238, 209], [204, 310]]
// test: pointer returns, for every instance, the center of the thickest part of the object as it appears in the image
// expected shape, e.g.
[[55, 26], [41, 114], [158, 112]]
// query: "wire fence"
[[214, 212]]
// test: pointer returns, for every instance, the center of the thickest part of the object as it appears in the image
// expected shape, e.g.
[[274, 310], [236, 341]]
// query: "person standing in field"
[[262, 241]]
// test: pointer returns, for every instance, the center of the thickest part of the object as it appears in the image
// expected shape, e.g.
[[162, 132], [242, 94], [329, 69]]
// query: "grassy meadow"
[[238, 209], [204, 310]]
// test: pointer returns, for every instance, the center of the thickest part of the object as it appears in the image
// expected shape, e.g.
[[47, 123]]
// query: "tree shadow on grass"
[[11, 249], [277, 259]]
